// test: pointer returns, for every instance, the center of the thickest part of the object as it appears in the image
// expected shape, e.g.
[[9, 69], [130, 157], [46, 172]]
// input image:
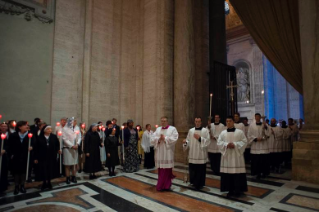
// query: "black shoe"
[[80, 170], [114, 174], [91, 177], [230, 194], [22, 190], [74, 179], [43, 187], [68, 180], [16, 190], [49, 186]]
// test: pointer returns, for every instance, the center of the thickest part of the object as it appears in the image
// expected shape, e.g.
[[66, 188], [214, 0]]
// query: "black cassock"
[[19, 153], [111, 146], [4, 167], [46, 152], [92, 143]]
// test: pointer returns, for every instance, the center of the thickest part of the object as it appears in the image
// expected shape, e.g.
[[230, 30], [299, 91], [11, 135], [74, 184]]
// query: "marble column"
[[184, 65], [201, 43], [184, 72], [306, 152], [158, 50]]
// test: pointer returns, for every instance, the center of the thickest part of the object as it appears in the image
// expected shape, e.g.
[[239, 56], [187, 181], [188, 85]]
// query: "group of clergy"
[[227, 147]]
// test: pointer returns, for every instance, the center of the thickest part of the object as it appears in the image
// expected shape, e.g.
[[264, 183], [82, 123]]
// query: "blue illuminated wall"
[[282, 101]]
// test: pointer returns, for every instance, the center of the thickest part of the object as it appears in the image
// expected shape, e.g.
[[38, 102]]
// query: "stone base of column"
[[180, 155], [305, 162]]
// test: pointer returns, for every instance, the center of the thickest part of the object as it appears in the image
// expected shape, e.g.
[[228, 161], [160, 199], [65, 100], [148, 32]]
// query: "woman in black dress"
[[92, 143], [46, 150], [132, 161], [111, 149], [4, 160], [19, 148]]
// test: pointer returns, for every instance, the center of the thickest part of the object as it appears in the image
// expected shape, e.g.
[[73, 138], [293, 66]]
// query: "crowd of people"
[[41, 153]]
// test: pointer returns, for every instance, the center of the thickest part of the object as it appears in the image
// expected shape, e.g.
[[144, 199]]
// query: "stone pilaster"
[[258, 96], [306, 152], [68, 59]]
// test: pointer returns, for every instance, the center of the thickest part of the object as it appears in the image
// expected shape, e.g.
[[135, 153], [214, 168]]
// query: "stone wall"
[[26, 49]]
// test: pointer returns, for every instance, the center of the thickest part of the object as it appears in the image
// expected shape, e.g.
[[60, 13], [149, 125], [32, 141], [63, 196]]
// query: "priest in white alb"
[[260, 165], [164, 140], [197, 141], [213, 152], [232, 143]]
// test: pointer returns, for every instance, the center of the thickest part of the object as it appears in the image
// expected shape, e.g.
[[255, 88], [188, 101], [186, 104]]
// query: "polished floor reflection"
[[136, 192]]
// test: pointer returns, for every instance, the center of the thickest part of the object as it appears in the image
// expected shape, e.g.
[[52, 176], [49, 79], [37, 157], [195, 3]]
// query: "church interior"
[[142, 60]]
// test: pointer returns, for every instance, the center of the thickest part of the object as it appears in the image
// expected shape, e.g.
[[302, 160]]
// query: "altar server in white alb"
[[238, 124], [213, 152], [259, 150], [275, 143], [71, 141], [232, 143], [197, 141], [164, 140]]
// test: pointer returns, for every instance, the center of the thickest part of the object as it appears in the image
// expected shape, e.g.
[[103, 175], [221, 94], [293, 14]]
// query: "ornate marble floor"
[[136, 192]]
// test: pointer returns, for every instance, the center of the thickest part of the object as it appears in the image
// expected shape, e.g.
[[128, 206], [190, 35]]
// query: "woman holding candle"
[[130, 143], [71, 141], [4, 155], [92, 143], [140, 150], [111, 149], [45, 155], [81, 149], [19, 150]]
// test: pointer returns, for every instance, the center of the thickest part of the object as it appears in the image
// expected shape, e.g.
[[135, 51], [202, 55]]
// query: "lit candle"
[[30, 136], [58, 124], [103, 133], [0, 116], [83, 126], [156, 126], [3, 136], [210, 105], [60, 138], [75, 142], [14, 124], [122, 127]]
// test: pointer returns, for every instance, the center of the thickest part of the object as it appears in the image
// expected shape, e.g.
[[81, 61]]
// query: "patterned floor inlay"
[[137, 192], [252, 190], [302, 201], [309, 189], [171, 199], [46, 208], [71, 196], [250, 179]]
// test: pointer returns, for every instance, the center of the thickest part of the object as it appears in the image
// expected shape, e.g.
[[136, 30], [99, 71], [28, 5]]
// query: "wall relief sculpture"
[[243, 81], [43, 10]]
